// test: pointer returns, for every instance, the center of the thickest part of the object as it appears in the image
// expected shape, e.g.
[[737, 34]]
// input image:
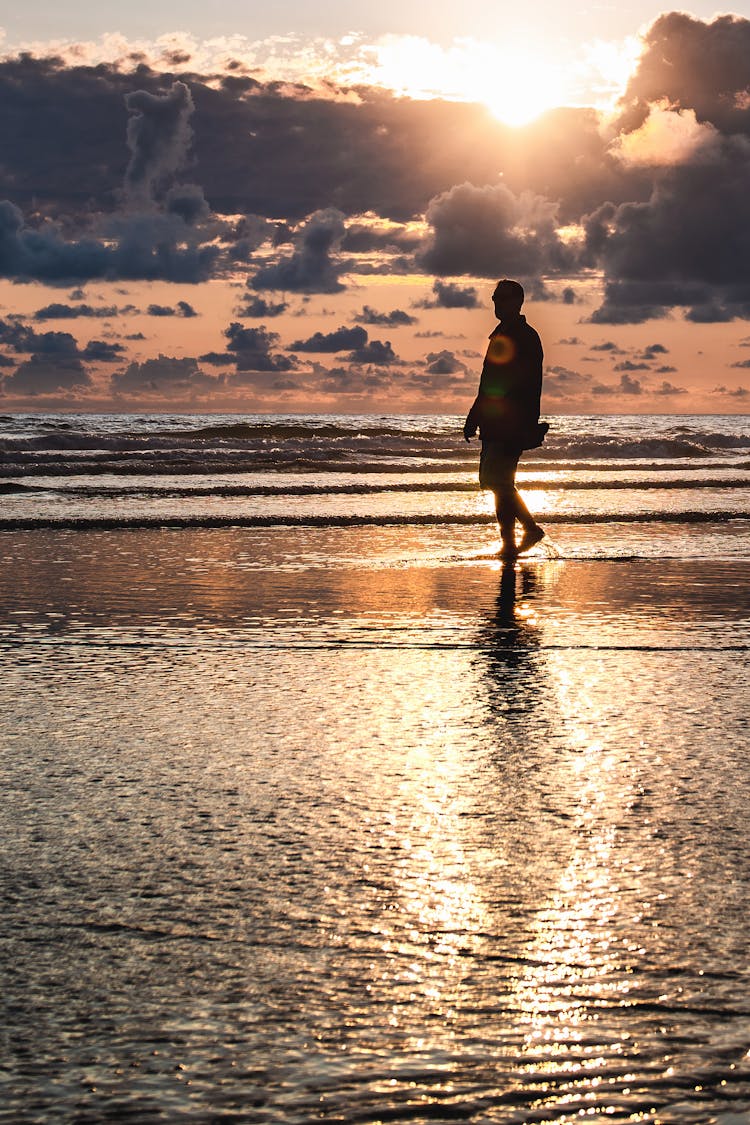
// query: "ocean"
[[314, 809], [392, 471]]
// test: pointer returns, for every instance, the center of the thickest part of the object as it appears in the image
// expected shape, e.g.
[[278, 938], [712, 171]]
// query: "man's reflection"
[[510, 637]]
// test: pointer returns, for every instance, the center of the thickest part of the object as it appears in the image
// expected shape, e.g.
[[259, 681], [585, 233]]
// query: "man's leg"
[[505, 510], [506, 501], [532, 532]]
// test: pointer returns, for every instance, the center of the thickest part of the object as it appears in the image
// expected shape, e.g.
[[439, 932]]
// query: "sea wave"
[[280, 445], [92, 491], [134, 523]]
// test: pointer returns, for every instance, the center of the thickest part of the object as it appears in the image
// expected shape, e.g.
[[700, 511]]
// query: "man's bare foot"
[[531, 536], [509, 550]]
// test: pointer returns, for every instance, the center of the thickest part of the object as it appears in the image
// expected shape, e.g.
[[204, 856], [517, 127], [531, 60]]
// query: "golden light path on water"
[[396, 842]]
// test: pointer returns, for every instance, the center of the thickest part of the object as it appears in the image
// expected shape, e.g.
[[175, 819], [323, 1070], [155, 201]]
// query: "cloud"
[[689, 63], [102, 352], [376, 351], [24, 339], [42, 254], [256, 308], [338, 341], [182, 308], [732, 392], [667, 136], [686, 107], [652, 350], [608, 346], [393, 319], [443, 363], [58, 311], [187, 201], [165, 376], [47, 373], [490, 232], [667, 388], [310, 269], [449, 295], [627, 386], [158, 136], [251, 348], [562, 382]]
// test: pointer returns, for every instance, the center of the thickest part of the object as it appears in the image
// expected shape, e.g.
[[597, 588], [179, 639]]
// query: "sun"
[[516, 82], [518, 79]]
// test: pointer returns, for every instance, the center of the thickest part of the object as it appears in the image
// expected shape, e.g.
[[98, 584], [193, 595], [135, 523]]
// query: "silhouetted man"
[[506, 412]]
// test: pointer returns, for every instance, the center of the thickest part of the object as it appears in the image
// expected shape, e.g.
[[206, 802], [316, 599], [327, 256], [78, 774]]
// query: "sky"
[[306, 207]]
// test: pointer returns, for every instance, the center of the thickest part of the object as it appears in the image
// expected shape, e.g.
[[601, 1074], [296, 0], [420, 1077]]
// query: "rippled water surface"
[[360, 826]]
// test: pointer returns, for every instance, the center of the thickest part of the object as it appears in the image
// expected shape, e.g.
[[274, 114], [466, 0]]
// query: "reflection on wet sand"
[[404, 843]]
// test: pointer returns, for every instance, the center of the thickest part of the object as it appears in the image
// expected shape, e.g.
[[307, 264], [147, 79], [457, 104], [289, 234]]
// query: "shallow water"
[[362, 825]]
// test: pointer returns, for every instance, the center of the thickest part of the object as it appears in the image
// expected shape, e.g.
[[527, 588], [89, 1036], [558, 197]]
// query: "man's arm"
[[471, 425]]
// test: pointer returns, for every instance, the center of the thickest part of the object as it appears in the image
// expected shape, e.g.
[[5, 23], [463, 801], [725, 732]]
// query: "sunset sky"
[[306, 209]]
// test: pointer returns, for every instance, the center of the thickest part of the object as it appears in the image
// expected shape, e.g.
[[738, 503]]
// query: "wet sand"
[[356, 829]]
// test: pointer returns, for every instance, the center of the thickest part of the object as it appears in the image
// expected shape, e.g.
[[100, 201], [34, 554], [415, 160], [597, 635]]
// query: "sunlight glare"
[[516, 82]]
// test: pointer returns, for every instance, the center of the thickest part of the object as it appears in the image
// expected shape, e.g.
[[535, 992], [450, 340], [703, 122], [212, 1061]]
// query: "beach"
[[314, 809]]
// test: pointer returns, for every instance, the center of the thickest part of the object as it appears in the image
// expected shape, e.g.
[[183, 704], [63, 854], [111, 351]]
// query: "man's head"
[[507, 298]]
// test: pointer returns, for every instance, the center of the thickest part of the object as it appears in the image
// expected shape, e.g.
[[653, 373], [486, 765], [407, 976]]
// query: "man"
[[506, 412]]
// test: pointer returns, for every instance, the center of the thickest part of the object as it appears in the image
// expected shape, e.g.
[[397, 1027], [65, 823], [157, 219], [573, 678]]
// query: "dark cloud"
[[689, 63], [628, 365], [449, 295], [182, 308], [376, 351], [365, 238], [562, 382], [490, 232], [311, 268], [103, 352], [608, 346], [218, 359], [339, 341], [669, 389], [741, 363], [571, 340], [251, 348], [393, 319], [43, 254], [627, 386], [158, 136], [187, 201], [60, 345], [443, 363], [685, 246], [732, 392], [165, 376], [256, 308], [24, 339], [58, 311], [655, 349], [63, 127], [47, 373], [149, 246]]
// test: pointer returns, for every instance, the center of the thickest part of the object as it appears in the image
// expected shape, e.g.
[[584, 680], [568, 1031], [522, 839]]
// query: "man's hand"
[[469, 432]]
